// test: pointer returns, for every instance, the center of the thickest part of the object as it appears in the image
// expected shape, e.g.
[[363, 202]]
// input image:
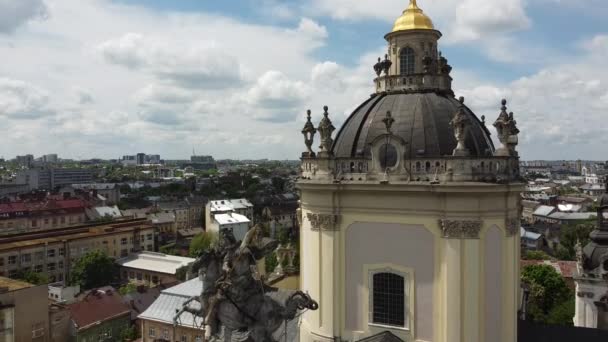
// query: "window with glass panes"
[[407, 61], [388, 299]]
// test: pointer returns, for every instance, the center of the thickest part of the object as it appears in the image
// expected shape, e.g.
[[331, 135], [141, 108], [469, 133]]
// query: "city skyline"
[[235, 80]]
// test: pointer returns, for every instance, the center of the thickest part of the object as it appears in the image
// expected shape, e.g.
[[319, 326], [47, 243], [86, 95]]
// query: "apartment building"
[[152, 269], [24, 315], [49, 178], [228, 206], [53, 253], [47, 214]]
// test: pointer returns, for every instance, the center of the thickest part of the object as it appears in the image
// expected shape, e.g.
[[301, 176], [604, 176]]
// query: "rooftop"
[[157, 262], [67, 234], [230, 204], [232, 218], [13, 285], [98, 306]]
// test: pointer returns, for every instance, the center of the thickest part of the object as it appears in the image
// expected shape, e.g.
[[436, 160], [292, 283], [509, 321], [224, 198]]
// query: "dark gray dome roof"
[[421, 119]]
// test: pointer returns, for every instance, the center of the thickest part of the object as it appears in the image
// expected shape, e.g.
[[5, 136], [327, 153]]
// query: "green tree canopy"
[[536, 255], [93, 270], [549, 295], [570, 235], [33, 278], [202, 242]]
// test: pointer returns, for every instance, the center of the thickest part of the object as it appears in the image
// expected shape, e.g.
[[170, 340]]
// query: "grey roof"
[[422, 120], [572, 216], [529, 235], [190, 288], [544, 210]]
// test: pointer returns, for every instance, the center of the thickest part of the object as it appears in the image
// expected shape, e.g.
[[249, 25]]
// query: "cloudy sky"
[[104, 78]]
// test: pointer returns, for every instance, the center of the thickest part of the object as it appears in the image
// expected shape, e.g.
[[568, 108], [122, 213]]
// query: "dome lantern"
[[413, 18]]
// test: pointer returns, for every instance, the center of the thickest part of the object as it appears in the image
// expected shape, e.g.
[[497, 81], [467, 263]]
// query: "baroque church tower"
[[410, 216]]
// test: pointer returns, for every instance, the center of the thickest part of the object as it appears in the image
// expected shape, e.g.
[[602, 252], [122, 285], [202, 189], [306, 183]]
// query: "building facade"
[[410, 218], [592, 282], [49, 214], [23, 312], [54, 253]]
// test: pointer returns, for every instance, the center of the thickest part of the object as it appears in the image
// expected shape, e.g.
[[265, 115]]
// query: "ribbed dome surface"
[[421, 119]]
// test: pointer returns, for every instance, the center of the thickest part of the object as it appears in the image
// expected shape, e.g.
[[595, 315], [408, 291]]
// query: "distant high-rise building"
[[25, 161], [141, 158], [50, 178]]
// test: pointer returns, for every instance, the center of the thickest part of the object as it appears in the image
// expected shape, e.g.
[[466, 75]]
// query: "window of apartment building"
[[34, 223], [149, 237], [139, 276], [12, 260], [166, 334], [60, 277], [154, 280], [60, 265], [37, 330], [123, 241], [84, 250], [152, 332], [131, 275], [61, 251], [1, 261], [39, 255], [54, 221], [51, 266], [184, 338], [131, 240], [46, 221], [198, 339], [62, 220], [38, 268], [124, 253], [50, 253], [12, 274], [26, 257]]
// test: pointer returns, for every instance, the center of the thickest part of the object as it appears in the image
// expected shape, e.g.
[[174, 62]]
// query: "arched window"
[[388, 299], [408, 63], [388, 156]]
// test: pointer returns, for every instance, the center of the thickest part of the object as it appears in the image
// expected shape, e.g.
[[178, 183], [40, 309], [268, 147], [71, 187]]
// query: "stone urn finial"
[[325, 129], [309, 135], [388, 122], [460, 123], [507, 130]]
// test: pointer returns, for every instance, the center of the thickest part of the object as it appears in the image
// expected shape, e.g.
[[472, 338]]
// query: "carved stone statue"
[[234, 298], [326, 128], [507, 130], [460, 123], [309, 135]]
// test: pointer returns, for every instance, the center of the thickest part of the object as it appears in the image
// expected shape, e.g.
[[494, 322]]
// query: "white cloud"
[[21, 100], [14, 13], [189, 66], [312, 29], [481, 18]]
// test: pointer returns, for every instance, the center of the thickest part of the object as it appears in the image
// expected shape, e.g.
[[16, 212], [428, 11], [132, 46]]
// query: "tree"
[[93, 270], [33, 278], [201, 243], [548, 295], [128, 334], [127, 289], [536, 255], [570, 235]]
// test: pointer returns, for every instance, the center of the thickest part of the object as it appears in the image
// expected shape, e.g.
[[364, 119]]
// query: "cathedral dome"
[[413, 18], [422, 120]]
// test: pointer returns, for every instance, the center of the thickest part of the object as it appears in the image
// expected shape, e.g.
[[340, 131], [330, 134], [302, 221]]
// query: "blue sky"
[[234, 78]]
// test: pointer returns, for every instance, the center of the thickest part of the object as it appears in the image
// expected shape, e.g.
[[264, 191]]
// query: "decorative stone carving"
[[507, 130], [299, 216], [513, 226], [378, 67], [456, 229], [388, 122], [309, 135], [460, 123], [326, 128], [323, 221]]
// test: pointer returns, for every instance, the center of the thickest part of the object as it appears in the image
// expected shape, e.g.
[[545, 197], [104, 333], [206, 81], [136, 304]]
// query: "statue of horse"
[[238, 300]]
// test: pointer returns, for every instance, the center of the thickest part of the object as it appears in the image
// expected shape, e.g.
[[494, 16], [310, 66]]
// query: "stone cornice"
[[460, 229], [326, 222]]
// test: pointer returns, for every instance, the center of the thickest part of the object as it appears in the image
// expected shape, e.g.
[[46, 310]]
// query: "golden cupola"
[[413, 18]]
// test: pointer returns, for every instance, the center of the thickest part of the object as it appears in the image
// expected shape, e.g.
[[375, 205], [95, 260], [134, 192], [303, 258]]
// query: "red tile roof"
[[567, 269], [98, 306], [13, 207]]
